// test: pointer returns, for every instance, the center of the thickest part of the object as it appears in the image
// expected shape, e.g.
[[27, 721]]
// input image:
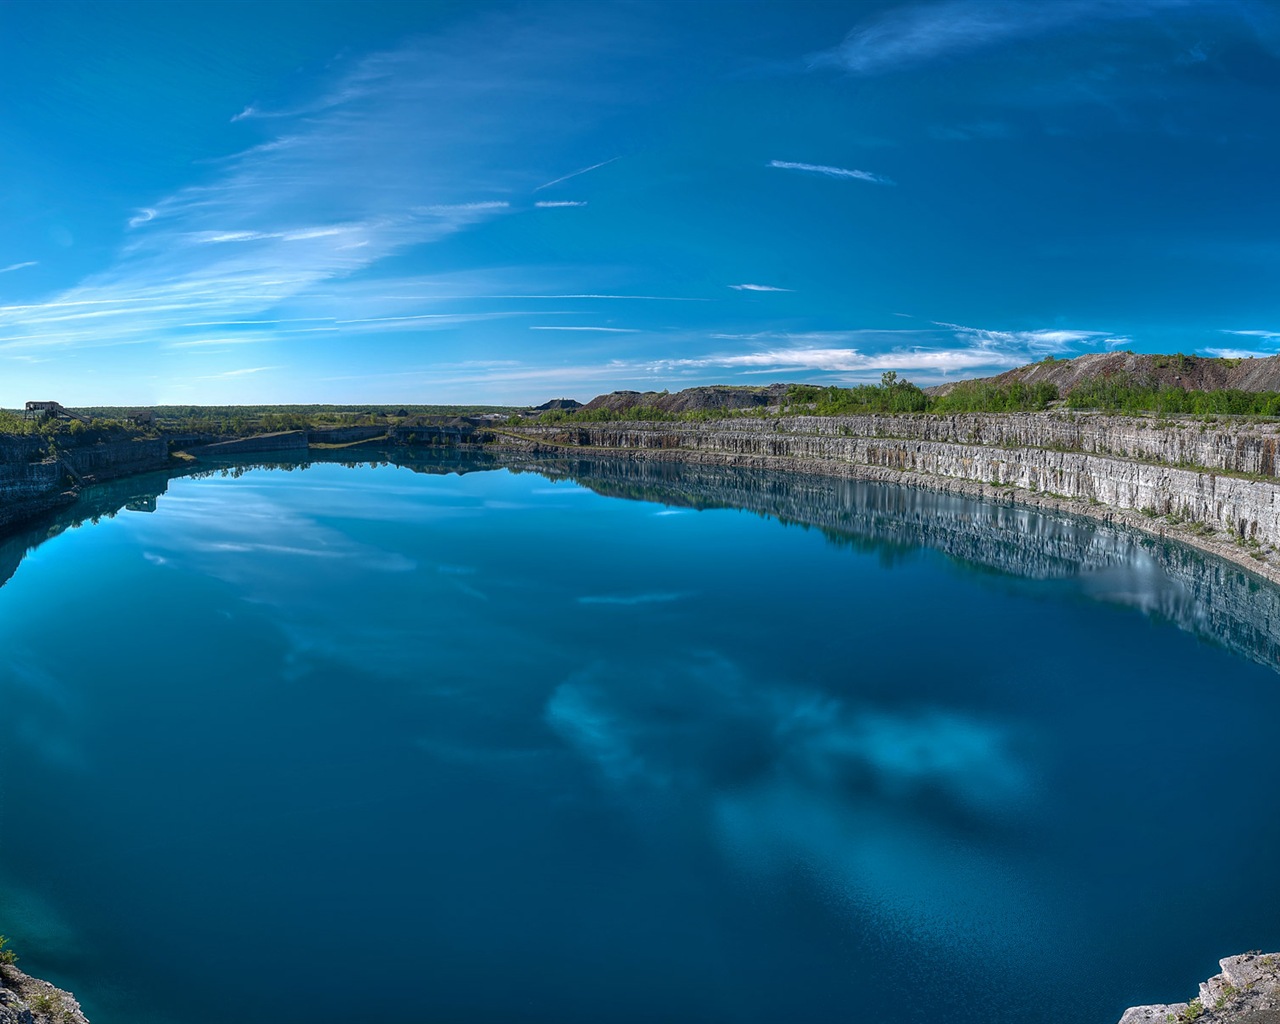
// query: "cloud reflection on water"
[[889, 808]]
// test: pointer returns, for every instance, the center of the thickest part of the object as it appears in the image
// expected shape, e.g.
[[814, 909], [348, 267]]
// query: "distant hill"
[[1191, 373], [713, 397], [567, 404]]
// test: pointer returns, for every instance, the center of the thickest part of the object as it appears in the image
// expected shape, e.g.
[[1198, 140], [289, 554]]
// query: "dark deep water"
[[356, 744]]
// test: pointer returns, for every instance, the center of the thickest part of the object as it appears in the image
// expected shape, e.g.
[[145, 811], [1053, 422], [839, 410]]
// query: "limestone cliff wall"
[[113, 459], [284, 440], [345, 435], [34, 482], [1089, 459], [1233, 446], [29, 489]]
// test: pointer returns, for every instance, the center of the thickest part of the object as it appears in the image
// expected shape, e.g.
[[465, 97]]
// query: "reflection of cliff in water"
[[1201, 594], [101, 501], [1198, 593], [140, 493]]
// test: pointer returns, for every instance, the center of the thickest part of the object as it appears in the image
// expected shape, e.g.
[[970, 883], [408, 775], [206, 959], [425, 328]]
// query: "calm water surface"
[[357, 744]]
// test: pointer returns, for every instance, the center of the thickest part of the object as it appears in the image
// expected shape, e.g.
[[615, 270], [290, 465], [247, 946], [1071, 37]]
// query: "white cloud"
[[825, 338], [609, 330], [215, 237], [443, 319], [1264, 335], [462, 207], [19, 266], [646, 298], [229, 374], [830, 172], [552, 204], [914, 34], [1230, 353], [848, 360], [1046, 340], [758, 288], [245, 241]]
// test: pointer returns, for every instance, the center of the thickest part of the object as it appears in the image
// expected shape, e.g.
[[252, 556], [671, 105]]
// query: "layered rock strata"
[[1114, 468], [280, 441], [36, 480]]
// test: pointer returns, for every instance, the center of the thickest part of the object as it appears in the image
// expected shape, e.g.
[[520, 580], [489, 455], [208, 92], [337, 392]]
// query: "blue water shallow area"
[[380, 742]]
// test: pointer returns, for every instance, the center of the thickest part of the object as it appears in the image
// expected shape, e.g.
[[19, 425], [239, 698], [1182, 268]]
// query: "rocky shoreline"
[[1111, 469], [1213, 487], [28, 1000], [1247, 991]]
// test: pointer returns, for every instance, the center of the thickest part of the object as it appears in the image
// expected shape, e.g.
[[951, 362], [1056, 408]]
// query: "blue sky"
[[329, 202]]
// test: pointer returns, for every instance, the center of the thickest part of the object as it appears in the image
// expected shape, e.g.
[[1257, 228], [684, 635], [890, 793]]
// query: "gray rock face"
[[1246, 992], [1172, 471], [27, 1000], [33, 482], [1162, 1012], [281, 441]]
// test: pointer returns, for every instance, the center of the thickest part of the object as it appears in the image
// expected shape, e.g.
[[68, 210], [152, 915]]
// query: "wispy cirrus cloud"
[[1261, 335], [831, 172], [758, 288], [478, 207], [606, 330], [931, 354], [849, 360], [346, 180], [239, 339], [1035, 342], [553, 204], [928, 355], [244, 372], [914, 34], [19, 266]]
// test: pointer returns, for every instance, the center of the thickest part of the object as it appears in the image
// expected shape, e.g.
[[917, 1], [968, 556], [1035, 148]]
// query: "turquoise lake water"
[[368, 744]]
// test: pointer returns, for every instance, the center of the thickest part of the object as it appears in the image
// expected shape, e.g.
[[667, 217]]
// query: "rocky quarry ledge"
[[27, 1000], [1246, 992], [1211, 485]]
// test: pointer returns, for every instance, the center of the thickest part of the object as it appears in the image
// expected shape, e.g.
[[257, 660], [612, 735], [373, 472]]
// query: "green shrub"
[[987, 396], [1119, 394]]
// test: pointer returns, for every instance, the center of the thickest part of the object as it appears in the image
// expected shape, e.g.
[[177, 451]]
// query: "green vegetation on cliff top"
[[1112, 393], [235, 420], [891, 396]]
